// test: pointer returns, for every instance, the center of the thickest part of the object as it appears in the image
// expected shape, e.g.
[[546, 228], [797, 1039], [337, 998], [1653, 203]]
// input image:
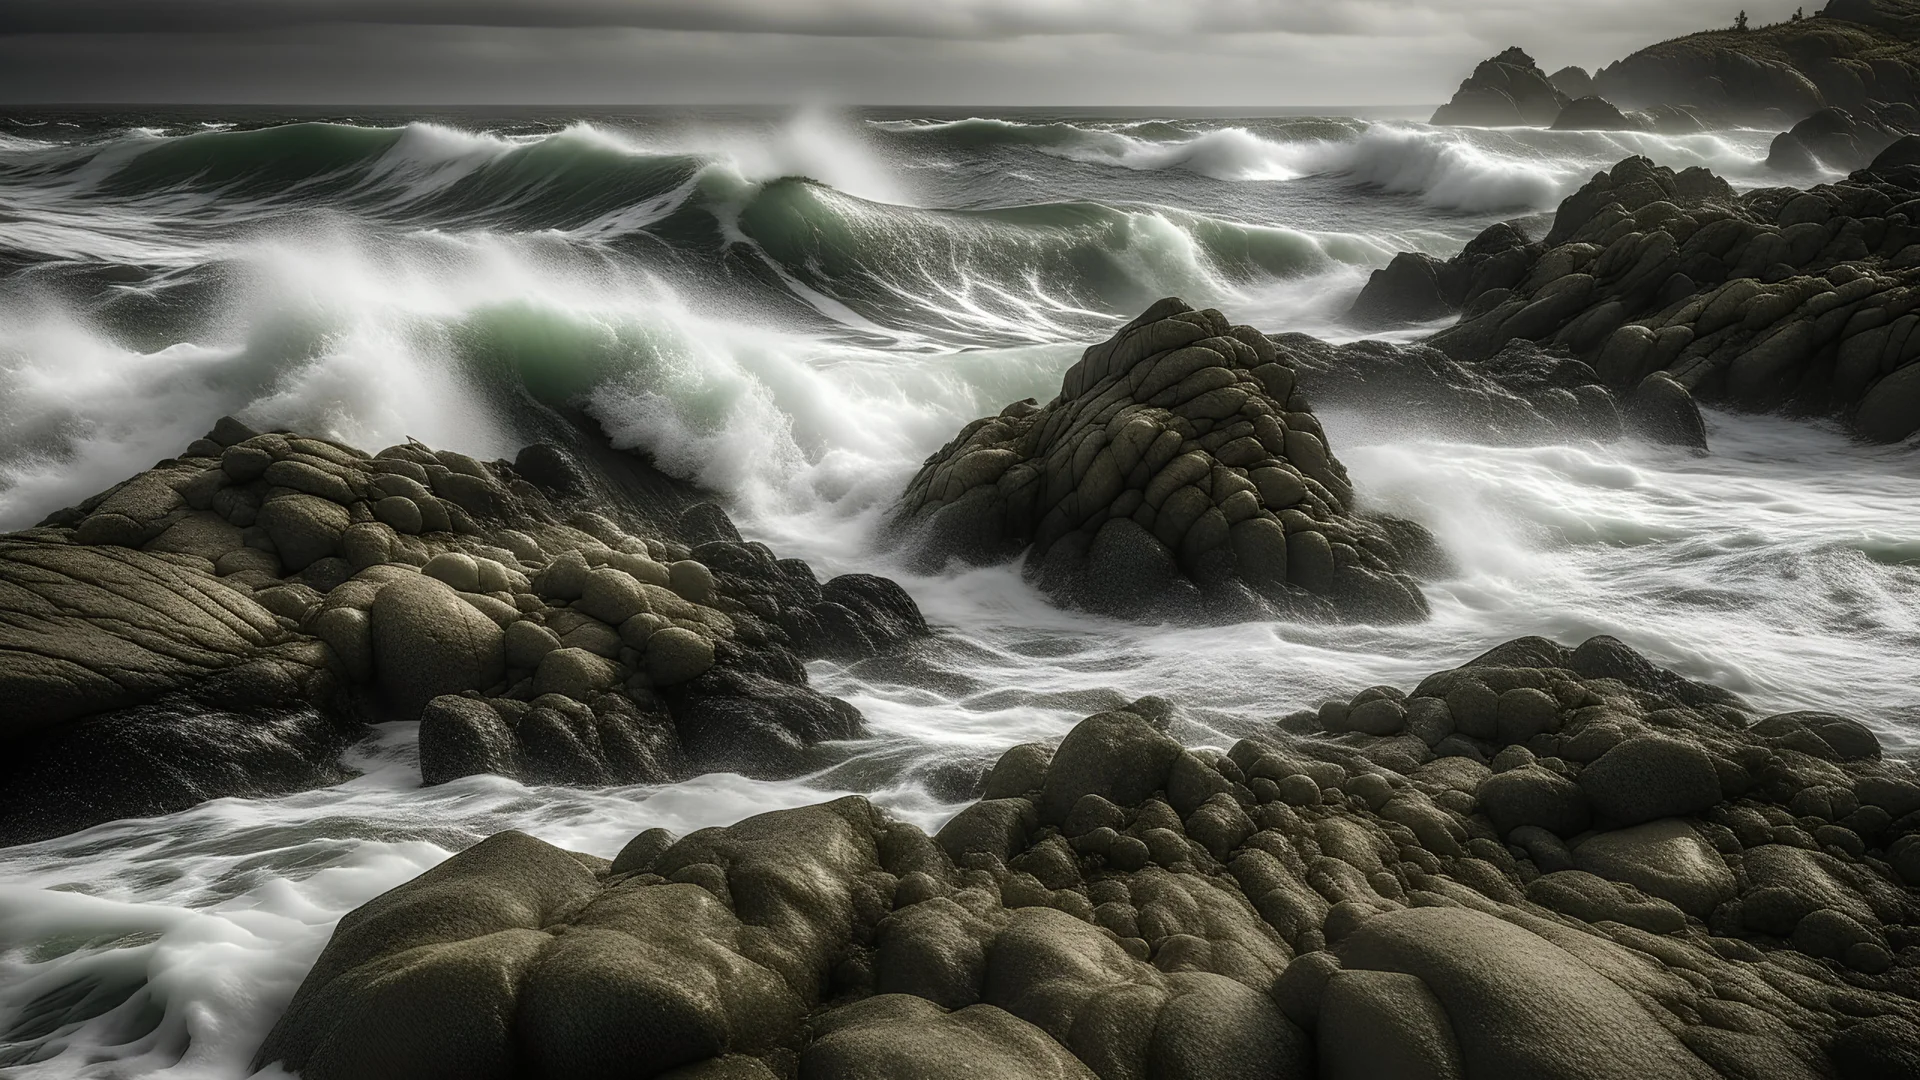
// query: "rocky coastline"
[[1556, 860], [1839, 85]]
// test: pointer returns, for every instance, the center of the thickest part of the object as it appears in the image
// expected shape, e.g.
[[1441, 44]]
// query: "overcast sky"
[[881, 52]]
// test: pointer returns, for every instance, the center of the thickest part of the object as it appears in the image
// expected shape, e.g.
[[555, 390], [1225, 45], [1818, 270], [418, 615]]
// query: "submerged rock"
[[1180, 473], [1365, 902], [225, 623]]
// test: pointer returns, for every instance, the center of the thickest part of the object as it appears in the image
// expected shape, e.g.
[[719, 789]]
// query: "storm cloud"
[[1198, 52]]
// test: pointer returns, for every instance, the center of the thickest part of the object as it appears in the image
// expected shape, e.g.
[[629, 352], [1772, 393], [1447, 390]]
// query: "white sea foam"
[[1784, 565]]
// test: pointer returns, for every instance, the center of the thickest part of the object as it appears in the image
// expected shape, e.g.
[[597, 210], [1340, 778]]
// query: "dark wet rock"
[[284, 591], [1525, 394], [1833, 139], [1775, 299], [1180, 473], [1596, 114], [1509, 90], [1574, 82], [1125, 907]]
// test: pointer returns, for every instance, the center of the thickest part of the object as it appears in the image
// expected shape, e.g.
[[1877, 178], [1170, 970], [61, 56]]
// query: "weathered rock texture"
[[1776, 299], [1549, 863], [223, 623], [1179, 473], [1509, 90], [1859, 55]]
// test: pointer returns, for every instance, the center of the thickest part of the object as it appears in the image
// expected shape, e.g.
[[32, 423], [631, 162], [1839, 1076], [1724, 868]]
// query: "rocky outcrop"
[[1596, 114], [1179, 474], [225, 622], [1773, 299], [1549, 863], [1775, 75], [1833, 139], [1509, 90], [1574, 82]]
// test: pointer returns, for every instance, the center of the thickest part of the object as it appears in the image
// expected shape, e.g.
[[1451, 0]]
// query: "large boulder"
[[1179, 473], [428, 642]]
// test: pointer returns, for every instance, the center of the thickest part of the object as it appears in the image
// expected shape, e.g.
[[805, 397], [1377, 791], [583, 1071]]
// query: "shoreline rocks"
[[1179, 474], [1549, 862], [1775, 299], [228, 621]]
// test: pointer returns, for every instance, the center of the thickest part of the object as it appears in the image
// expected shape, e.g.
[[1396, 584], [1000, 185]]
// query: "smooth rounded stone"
[[304, 528], [1662, 411], [349, 633], [1475, 709], [1120, 756], [1537, 796], [428, 642], [457, 569], [897, 1036], [1298, 790], [1022, 769], [575, 673], [1428, 719], [564, 579], [1667, 859], [1310, 561], [691, 580], [465, 736], [1522, 713], [527, 643], [1375, 1025], [1260, 550], [402, 514], [1381, 716], [1647, 777], [1824, 735], [611, 596], [1519, 1005], [996, 827], [677, 655]]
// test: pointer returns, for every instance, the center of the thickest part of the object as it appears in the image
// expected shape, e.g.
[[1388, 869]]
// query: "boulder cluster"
[[224, 623], [1549, 863], [1777, 298], [1180, 473]]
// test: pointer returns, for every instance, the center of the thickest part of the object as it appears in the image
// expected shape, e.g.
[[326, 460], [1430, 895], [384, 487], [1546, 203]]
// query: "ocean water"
[[796, 308]]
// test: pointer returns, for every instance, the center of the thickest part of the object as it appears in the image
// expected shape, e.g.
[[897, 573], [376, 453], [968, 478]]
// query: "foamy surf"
[[796, 312]]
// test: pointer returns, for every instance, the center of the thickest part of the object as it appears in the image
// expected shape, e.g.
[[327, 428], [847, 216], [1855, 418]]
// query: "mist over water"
[[796, 311]]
